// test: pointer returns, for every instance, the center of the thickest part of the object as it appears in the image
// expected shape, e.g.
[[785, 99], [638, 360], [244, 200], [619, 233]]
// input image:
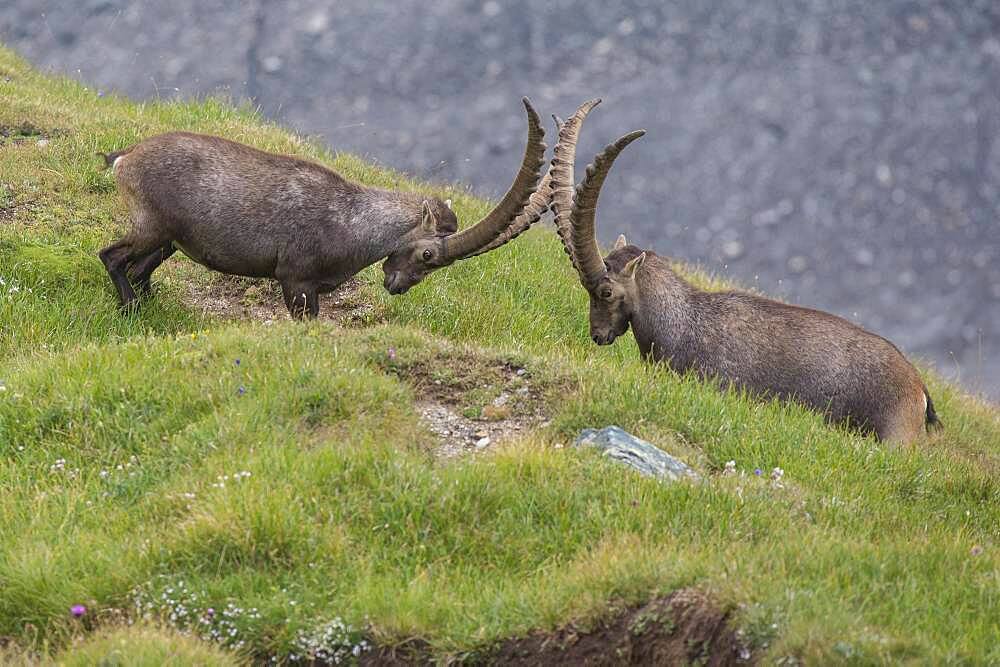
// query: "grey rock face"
[[625, 448], [840, 154]]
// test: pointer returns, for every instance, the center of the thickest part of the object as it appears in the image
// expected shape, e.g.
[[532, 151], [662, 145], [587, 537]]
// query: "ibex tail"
[[109, 158], [931, 417]]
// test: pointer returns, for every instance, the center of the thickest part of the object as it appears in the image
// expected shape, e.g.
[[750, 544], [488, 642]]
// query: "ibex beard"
[[768, 348]]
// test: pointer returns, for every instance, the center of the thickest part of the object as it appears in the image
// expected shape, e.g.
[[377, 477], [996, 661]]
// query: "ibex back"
[[243, 211], [766, 347]]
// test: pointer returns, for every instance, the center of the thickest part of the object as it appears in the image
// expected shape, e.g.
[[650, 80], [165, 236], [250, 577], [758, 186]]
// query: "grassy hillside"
[[271, 489]]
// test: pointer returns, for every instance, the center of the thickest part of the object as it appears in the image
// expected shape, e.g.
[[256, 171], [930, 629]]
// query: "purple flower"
[[237, 362], [100, 93], [392, 354], [77, 610], [210, 612], [242, 390], [976, 550], [758, 472]]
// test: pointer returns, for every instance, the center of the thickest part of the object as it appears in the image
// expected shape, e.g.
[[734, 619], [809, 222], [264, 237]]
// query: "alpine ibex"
[[242, 211], [763, 346]]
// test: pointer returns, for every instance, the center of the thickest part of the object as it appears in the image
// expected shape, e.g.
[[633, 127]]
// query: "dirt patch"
[[471, 402], [680, 629], [238, 298], [16, 134], [10, 203], [460, 435]]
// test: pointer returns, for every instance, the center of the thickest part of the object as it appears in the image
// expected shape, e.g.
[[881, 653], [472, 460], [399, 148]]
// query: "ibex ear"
[[447, 202], [633, 266], [428, 223], [621, 242]]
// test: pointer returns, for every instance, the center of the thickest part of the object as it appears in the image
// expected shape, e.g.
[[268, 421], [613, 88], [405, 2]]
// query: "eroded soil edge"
[[679, 629]]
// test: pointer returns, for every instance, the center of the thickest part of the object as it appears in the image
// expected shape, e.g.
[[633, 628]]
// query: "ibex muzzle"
[[242, 211], [769, 348]]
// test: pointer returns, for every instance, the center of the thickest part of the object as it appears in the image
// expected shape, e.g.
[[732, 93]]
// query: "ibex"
[[765, 347], [242, 211]]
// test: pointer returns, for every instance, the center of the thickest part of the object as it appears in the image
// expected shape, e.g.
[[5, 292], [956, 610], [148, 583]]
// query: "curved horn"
[[469, 241], [591, 265], [563, 178], [538, 203]]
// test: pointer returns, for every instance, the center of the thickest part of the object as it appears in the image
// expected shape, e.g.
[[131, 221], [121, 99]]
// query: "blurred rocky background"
[[840, 154]]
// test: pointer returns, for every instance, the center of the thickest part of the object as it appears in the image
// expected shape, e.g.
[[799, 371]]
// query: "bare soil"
[[238, 298], [7, 212], [470, 402], [10, 203], [15, 134], [679, 629]]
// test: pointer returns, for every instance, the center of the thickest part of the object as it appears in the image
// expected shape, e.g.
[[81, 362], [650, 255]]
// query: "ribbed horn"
[[588, 255], [468, 241], [563, 177], [538, 203]]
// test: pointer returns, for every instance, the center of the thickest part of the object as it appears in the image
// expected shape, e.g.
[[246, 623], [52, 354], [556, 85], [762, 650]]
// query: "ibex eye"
[[427, 255]]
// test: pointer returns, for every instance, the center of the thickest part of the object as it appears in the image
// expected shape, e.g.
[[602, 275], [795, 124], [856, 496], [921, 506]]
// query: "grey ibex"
[[763, 346], [242, 211]]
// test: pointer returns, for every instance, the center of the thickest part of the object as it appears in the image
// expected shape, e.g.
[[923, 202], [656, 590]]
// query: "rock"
[[629, 450], [482, 442]]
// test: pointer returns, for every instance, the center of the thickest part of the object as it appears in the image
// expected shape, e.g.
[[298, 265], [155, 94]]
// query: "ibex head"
[[421, 252], [611, 283], [434, 243], [612, 302]]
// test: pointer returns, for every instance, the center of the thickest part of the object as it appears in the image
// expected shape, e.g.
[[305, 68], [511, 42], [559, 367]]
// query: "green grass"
[[139, 646], [125, 443]]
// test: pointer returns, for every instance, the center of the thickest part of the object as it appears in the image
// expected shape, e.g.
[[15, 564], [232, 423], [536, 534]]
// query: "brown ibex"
[[768, 348], [242, 211]]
